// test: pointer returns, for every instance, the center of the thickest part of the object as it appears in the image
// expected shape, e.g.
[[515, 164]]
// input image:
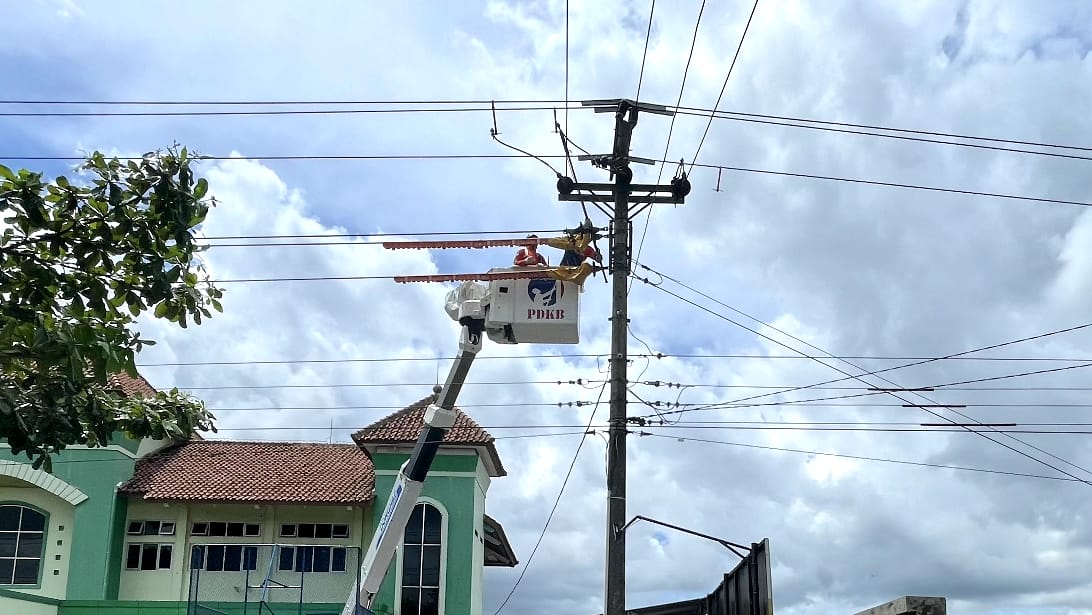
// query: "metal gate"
[[271, 579]]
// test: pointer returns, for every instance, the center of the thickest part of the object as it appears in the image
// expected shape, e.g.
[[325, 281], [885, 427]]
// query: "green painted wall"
[[98, 527], [57, 554], [456, 494], [134, 607], [96, 607], [95, 529], [23, 603], [442, 463]]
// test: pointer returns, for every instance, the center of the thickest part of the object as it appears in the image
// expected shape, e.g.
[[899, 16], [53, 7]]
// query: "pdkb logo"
[[545, 292]]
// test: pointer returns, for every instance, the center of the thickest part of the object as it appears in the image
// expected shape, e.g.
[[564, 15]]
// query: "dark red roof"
[[405, 425], [255, 472], [129, 386]]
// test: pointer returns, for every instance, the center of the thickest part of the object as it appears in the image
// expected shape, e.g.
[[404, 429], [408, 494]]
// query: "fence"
[[271, 579]]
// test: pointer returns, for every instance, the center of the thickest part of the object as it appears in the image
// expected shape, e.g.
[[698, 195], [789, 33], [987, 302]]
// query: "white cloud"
[[854, 269]]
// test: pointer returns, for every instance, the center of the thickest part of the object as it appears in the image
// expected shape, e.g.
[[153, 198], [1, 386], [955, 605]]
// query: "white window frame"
[[292, 568], [444, 516], [242, 556], [295, 532], [41, 557], [140, 558], [244, 534], [141, 524]]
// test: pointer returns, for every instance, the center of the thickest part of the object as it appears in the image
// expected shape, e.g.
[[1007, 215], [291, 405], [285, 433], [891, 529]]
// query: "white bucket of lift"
[[538, 311]]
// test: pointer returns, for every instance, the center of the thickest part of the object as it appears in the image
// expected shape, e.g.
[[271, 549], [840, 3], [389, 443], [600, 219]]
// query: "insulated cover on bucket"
[[533, 311]]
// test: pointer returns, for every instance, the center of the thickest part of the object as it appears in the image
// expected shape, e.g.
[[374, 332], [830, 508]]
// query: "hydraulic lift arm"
[[438, 419]]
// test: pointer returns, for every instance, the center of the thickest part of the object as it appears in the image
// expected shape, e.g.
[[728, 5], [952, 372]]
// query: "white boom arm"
[[465, 304]]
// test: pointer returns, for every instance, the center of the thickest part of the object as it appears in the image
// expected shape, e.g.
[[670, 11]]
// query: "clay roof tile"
[[254, 472]]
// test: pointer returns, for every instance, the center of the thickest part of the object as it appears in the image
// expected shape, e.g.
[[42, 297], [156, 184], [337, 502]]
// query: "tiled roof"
[[405, 425], [498, 551], [129, 386], [255, 472]]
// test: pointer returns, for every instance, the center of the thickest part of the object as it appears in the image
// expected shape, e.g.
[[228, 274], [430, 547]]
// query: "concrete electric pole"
[[621, 193]]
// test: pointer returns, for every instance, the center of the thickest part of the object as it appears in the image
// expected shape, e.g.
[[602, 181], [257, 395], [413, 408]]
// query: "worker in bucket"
[[578, 249], [528, 256]]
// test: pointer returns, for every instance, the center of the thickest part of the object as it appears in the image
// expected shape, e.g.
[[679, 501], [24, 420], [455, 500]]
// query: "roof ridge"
[[270, 442], [417, 405], [253, 471]]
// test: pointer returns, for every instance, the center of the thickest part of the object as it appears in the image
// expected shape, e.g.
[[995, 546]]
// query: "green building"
[[216, 526]]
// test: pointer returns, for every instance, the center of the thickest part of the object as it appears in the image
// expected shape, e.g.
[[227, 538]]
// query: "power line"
[[561, 404], [862, 457], [306, 157], [279, 112], [890, 427], [557, 501], [740, 114], [949, 407], [829, 355], [722, 167], [900, 137], [693, 111], [858, 423], [896, 185], [761, 118], [133, 103], [648, 36], [58, 460], [358, 428], [660, 355], [805, 404], [866, 357], [360, 360], [577, 381], [731, 66], [896, 395], [566, 66], [1021, 374], [369, 235], [814, 428], [671, 127], [699, 385]]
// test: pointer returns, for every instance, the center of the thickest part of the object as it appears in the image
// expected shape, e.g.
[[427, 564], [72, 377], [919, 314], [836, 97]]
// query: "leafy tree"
[[79, 262]]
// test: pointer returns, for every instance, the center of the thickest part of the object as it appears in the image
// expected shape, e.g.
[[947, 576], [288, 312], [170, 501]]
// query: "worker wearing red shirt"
[[528, 255]]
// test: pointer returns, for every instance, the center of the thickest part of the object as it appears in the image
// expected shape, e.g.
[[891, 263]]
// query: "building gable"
[[402, 429]]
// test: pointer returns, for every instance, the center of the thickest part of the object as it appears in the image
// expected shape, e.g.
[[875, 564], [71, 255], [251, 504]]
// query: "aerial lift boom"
[[520, 305], [465, 304]]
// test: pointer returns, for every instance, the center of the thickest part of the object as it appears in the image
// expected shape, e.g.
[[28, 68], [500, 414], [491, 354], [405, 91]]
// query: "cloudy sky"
[[855, 270]]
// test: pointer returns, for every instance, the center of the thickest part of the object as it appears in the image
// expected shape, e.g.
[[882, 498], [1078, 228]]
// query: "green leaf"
[[126, 237]]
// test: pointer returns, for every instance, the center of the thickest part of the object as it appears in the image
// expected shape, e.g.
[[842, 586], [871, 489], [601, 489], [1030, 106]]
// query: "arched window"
[[422, 561], [22, 543]]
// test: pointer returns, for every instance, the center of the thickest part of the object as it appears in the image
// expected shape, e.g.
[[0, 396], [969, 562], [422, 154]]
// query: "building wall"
[[41, 598], [94, 540], [97, 526], [452, 481], [88, 540], [174, 584], [12, 601], [477, 564]]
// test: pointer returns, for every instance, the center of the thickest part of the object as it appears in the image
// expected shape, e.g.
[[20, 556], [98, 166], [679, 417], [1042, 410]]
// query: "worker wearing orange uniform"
[[528, 256]]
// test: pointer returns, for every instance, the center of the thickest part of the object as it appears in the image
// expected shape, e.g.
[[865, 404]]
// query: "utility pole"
[[622, 194], [615, 600]]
